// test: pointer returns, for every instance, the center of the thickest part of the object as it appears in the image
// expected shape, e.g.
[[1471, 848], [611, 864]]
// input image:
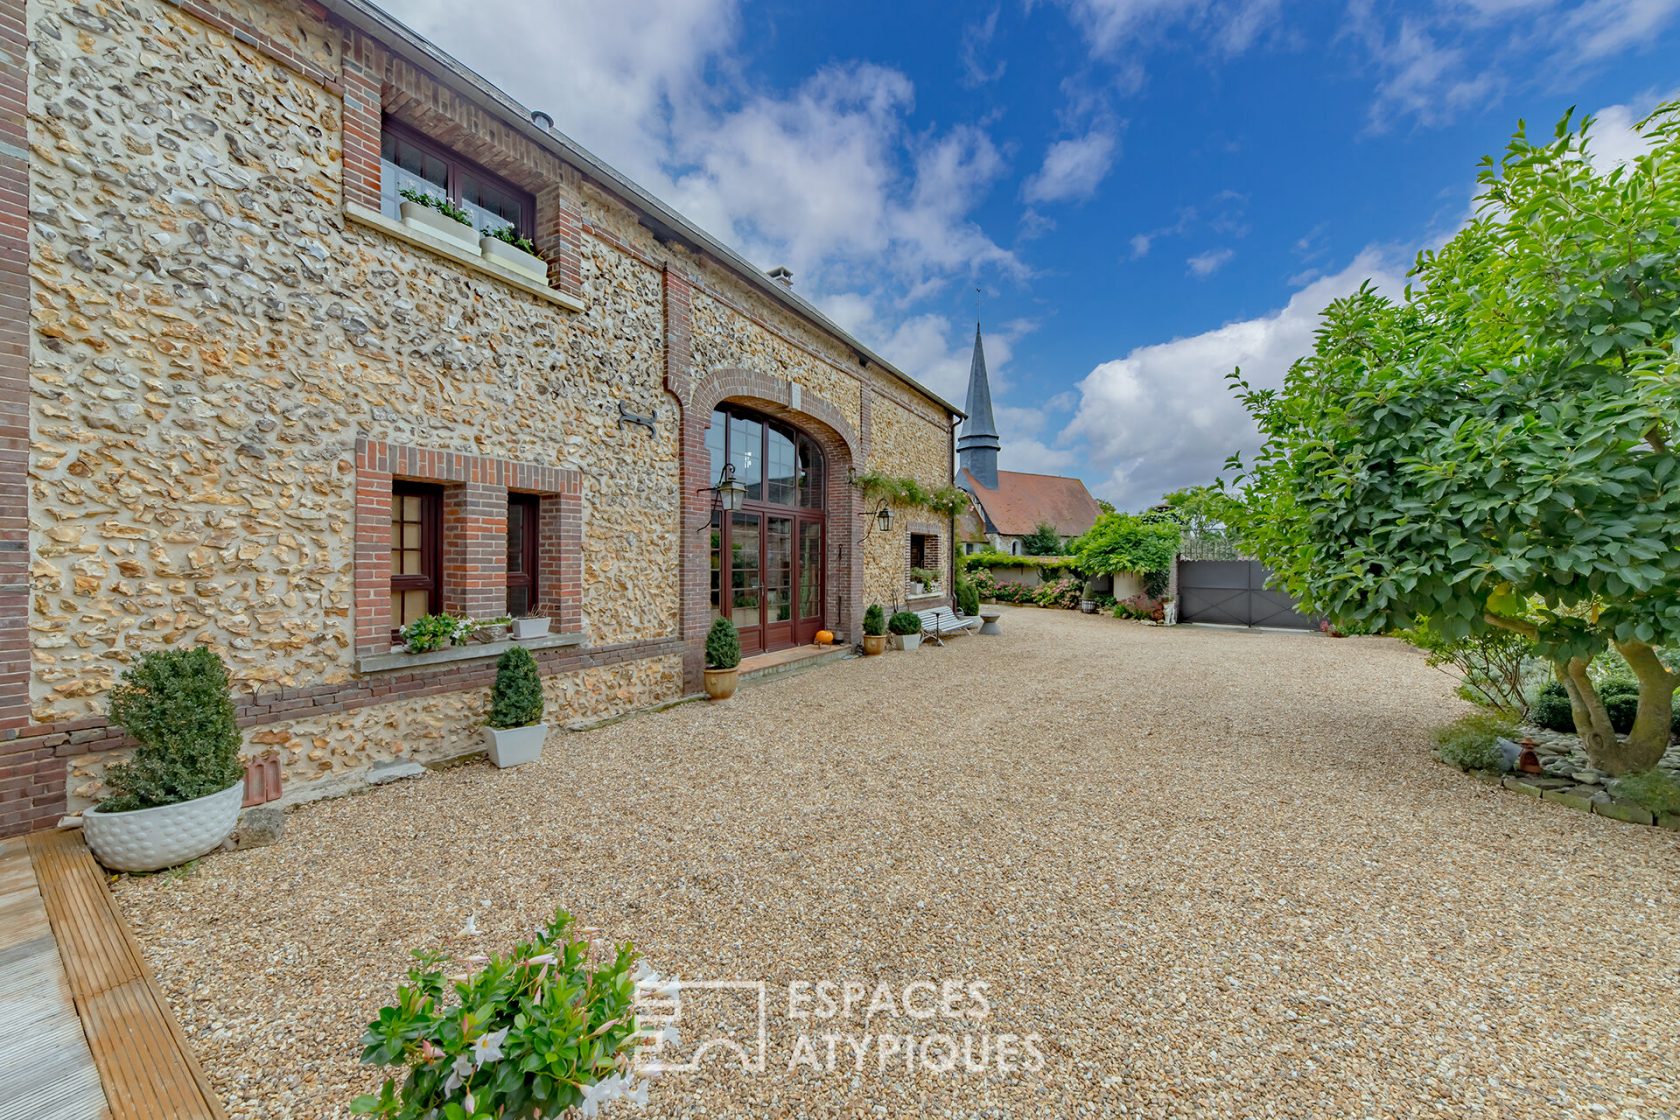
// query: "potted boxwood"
[[723, 660], [874, 631], [906, 627], [531, 626], [505, 247], [439, 218], [924, 581], [179, 795], [516, 731]]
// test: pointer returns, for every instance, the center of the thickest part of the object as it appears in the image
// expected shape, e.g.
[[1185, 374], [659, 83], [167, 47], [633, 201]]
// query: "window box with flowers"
[[437, 216], [502, 246]]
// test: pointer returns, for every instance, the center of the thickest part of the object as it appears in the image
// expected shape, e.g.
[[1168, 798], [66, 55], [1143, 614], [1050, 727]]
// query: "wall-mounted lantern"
[[727, 495]]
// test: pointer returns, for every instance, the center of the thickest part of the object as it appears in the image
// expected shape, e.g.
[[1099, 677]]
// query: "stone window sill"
[[479, 651], [914, 598], [375, 220]]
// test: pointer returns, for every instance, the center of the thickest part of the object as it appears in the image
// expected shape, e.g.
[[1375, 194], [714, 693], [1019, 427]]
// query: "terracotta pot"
[[874, 645], [721, 683]]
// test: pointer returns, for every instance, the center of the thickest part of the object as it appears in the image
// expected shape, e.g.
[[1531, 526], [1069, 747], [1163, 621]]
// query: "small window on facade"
[[416, 552], [523, 531], [409, 161], [919, 550], [1014, 548]]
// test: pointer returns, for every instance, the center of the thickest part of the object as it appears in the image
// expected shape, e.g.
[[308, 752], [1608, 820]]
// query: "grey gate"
[[1234, 592]]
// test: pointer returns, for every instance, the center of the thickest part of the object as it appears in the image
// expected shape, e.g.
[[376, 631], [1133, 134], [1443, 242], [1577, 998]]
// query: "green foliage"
[[1202, 511], [1551, 709], [1653, 789], [1012, 593], [177, 705], [874, 620], [511, 235], [1492, 666], [723, 645], [991, 558], [1060, 593], [1042, 541], [925, 576], [1497, 448], [1121, 542], [905, 622], [434, 631], [946, 500], [436, 202], [517, 698], [1470, 742], [524, 1035], [1106, 506], [968, 597]]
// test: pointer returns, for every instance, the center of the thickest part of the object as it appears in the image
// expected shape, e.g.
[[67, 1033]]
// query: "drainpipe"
[[951, 531]]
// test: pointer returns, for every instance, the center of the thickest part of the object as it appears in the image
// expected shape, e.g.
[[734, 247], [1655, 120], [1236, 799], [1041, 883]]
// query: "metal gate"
[[1234, 593]]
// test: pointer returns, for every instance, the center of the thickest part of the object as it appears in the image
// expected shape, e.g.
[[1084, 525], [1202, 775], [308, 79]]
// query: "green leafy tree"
[[1106, 506], [1042, 541], [1123, 542], [1202, 511], [723, 645], [516, 700], [1495, 450], [177, 705]]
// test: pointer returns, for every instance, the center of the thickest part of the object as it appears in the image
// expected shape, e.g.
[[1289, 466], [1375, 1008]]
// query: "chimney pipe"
[[782, 275]]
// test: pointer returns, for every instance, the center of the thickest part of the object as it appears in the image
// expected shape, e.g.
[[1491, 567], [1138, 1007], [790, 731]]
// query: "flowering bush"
[[531, 1034], [984, 582], [1012, 593], [434, 631], [1064, 593], [1140, 607]]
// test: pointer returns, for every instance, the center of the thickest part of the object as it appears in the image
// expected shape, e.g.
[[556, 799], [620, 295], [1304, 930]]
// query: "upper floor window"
[[413, 162]]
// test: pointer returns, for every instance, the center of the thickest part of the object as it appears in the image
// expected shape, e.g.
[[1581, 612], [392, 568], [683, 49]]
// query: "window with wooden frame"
[[416, 552], [919, 550], [409, 160], [524, 530]]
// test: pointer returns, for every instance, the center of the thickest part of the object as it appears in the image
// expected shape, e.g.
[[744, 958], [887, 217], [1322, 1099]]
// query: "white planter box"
[[419, 216], [516, 745], [497, 251], [152, 839], [524, 628], [906, 642]]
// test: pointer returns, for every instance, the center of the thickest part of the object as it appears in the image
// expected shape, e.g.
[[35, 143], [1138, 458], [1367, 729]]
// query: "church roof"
[[1021, 501], [979, 407]]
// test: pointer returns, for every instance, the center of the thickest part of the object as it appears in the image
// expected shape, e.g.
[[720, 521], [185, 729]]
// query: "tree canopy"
[[1042, 541], [1494, 447], [1122, 542]]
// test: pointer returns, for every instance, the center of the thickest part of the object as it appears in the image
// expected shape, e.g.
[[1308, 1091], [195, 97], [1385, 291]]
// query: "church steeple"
[[978, 446]]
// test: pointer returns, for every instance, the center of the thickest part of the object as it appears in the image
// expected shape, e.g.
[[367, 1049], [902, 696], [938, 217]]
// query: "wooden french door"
[[767, 557]]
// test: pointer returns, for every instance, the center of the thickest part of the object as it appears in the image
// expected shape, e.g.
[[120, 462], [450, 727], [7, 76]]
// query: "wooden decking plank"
[[143, 1058]]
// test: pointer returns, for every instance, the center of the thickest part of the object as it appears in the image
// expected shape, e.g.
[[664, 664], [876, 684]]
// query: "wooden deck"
[[96, 1037]]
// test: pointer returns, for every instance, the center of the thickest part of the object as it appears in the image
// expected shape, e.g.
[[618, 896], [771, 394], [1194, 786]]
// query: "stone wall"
[[212, 335]]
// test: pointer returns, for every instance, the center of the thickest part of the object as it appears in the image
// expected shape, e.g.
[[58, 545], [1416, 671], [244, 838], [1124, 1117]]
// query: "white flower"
[[541, 958], [638, 1095], [643, 971], [471, 928], [667, 1033], [462, 1070], [469, 1103], [669, 988], [488, 1047]]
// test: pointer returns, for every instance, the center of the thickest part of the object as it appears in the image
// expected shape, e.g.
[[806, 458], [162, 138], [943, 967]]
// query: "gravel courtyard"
[[1215, 872]]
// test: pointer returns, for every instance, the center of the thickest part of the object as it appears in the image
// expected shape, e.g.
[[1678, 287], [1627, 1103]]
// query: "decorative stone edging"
[[1574, 795]]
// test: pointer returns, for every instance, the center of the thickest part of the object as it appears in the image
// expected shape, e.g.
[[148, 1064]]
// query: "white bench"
[[943, 622]]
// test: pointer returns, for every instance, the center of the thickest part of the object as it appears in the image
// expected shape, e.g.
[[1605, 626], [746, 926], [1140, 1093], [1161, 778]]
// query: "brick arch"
[[834, 434]]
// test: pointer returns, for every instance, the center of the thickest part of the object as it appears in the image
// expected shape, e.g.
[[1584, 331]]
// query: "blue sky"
[[1144, 192]]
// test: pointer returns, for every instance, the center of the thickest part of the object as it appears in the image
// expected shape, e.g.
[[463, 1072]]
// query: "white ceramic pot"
[[515, 746], [152, 839], [528, 265], [908, 642], [530, 627], [435, 223]]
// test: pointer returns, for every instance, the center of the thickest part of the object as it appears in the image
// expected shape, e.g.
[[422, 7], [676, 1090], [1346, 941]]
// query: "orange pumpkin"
[[825, 637]]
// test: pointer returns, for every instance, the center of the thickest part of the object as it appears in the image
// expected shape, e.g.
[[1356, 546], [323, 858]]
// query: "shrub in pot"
[[874, 631], [516, 732], [504, 246], [906, 627], [179, 795], [723, 660], [968, 597]]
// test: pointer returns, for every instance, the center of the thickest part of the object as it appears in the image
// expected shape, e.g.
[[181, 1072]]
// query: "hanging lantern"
[[883, 517], [729, 492]]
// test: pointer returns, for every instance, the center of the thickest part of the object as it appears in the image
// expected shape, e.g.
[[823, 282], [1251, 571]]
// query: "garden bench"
[[943, 622]]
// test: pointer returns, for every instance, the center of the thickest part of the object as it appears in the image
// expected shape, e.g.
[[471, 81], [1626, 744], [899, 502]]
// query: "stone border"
[[1596, 800]]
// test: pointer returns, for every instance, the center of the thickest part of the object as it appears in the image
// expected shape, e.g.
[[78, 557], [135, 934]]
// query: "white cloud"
[[1615, 137], [1072, 169], [1226, 26], [976, 40], [1203, 265], [1162, 416]]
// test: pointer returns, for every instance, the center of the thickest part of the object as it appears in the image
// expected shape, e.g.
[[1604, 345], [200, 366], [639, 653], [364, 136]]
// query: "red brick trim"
[[475, 534], [363, 64], [679, 331]]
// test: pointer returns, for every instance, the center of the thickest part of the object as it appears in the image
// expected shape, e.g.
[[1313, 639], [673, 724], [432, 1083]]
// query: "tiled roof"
[[1021, 501]]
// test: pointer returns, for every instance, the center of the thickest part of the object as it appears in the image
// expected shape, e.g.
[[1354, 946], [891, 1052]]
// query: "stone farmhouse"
[[1009, 505], [252, 403]]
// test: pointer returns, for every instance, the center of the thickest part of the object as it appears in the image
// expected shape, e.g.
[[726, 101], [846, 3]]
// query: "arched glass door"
[[767, 556]]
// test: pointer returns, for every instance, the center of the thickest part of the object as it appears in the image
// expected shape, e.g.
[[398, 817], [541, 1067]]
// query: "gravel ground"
[[1215, 872]]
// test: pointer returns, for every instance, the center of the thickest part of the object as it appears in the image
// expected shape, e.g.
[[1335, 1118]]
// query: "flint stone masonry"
[[210, 339]]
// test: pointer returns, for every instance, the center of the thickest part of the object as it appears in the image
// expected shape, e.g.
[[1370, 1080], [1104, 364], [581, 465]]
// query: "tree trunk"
[[1648, 740]]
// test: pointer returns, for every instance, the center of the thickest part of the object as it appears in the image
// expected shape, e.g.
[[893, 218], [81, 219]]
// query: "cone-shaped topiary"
[[517, 699], [723, 646], [874, 620], [968, 597], [176, 704]]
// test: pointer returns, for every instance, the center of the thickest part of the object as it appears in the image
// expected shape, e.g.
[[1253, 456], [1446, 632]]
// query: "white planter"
[[419, 216], [528, 265], [516, 745], [907, 642], [152, 839], [918, 588], [524, 628]]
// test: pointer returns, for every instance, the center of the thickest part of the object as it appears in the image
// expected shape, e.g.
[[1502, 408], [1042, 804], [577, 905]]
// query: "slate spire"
[[978, 445]]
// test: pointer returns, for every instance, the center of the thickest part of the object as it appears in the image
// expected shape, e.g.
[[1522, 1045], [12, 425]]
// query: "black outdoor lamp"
[[883, 518], [726, 495]]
